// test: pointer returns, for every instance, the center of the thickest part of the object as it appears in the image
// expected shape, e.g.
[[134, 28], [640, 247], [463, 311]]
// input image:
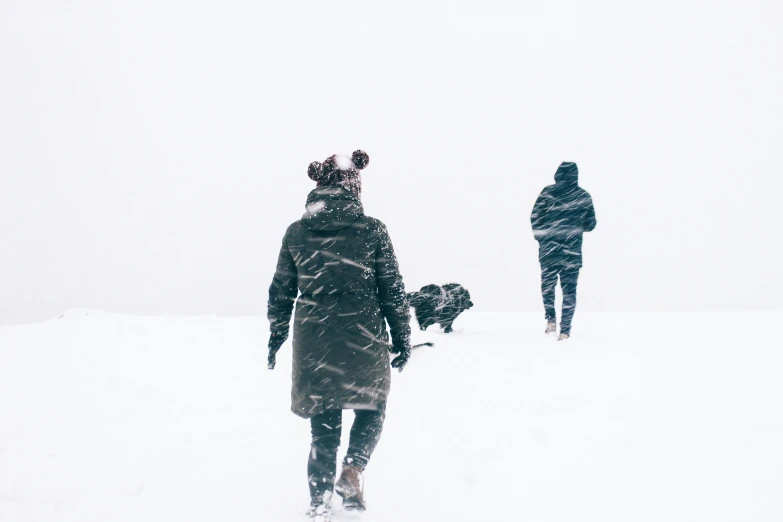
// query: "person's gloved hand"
[[276, 340], [401, 360], [402, 347]]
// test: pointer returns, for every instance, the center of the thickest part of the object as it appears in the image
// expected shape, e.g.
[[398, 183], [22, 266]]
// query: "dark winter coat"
[[342, 266], [562, 213]]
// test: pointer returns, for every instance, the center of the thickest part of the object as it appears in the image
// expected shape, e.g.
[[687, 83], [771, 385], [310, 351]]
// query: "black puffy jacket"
[[562, 213], [341, 265]]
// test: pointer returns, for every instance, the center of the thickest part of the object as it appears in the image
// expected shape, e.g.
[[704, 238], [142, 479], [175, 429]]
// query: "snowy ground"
[[109, 418]]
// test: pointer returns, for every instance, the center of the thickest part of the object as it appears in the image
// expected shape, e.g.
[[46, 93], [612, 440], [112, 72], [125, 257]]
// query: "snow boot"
[[551, 327], [563, 337], [321, 509], [349, 487]]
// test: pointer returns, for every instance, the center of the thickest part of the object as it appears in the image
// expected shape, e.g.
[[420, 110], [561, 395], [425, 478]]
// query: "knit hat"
[[340, 170]]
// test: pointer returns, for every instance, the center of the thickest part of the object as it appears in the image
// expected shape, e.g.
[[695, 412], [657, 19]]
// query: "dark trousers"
[[568, 280], [326, 429]]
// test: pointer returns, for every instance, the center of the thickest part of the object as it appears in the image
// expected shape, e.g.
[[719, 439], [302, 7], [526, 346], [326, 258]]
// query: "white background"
[[152, 153]]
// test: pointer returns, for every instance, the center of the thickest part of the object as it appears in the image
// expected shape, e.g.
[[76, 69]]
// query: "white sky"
[[154, 152]]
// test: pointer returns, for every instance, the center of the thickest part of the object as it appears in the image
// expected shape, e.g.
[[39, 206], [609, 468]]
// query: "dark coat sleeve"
[[283, 291], [590, 220], [391, 291], [538, 216]]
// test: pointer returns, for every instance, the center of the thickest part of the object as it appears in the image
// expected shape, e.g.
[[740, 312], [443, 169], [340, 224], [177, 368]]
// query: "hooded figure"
[[563, 212], [338, 266]]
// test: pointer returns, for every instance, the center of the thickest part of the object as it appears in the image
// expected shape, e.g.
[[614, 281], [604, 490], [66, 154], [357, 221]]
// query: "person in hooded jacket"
[[562, 213], [338, 266]]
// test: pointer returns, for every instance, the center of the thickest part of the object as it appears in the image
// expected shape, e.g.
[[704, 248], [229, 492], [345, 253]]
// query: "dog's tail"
[[422, 344]]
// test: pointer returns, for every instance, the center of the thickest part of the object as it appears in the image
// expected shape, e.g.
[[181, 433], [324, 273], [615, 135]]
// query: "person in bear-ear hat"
[[338, 266]]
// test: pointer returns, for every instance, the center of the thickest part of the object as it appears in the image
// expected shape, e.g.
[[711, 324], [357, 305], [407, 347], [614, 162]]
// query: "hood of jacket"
[[331, 208], [567, 173]]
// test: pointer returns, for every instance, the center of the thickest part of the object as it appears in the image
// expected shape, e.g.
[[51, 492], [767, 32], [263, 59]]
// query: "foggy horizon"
[[154, 155]]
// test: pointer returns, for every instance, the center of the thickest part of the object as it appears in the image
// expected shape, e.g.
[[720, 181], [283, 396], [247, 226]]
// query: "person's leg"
[[365, 434], [568, 280], [548, 284], [322, 464]]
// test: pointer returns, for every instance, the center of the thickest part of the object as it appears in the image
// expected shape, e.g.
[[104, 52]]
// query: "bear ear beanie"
[[340, 170]]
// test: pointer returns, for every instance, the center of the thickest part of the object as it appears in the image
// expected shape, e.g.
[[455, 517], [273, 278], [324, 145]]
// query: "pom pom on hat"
[[360, 159], [315, 171]]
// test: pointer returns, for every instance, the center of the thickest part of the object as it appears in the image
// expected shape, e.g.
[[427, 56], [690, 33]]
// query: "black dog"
[[439, 304]]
